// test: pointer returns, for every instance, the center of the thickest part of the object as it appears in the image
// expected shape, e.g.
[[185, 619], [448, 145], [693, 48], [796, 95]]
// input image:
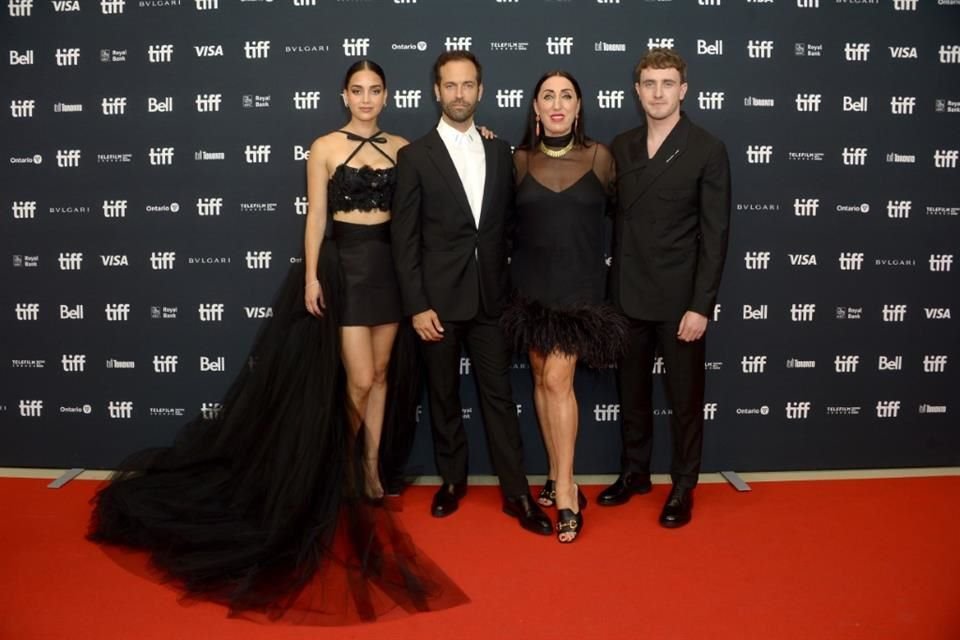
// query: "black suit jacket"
[[672, 223], [444, 262]]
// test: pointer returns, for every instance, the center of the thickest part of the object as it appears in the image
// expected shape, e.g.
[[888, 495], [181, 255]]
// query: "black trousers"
[[491, 358], [684, 378]]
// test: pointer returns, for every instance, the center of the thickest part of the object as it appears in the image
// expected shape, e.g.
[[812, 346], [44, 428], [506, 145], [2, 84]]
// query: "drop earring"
[[536, 127]]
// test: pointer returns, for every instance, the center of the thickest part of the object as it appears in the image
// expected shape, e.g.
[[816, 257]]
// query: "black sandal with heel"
[[548, 495]]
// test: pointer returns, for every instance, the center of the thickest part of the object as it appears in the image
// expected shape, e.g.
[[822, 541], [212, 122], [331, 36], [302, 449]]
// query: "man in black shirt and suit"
[[670, 241], [453, 198]]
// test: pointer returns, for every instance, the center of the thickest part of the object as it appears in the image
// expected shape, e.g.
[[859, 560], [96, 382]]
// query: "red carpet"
[[871, 559]]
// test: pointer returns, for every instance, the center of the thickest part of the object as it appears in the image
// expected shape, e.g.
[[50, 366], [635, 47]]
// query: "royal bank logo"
[[212, 365], [808, 102], [945, 158], [162, 260], [160, 156], [807, 50], [943, 105], [606, 412], [256, 49], [27, 311], [120, 409], [755, 313], [610, 98], [859, 105], [257, 153], [660, 43], [111, 7], [798, 410], [24, 209], [300, 205], [803, 312], [710, 100], [803, 259], [158, 312], [358, 47], [22, 108], [759, 153], [902, 105], [71, 261], [159, 53], [211, 410], [899, 209], [20, 8], [888, 408], [849, 313], [211, 5], [756, 260], [856, 51], [31, 408], [850, 261], [806, 207], [559, 45], [854, 156], [68, 158], [753, 364], [934, 363], [894, 312], [258, 259], [949, 54], [29, 262], [846, 363], [760, 48], [940, 262], [507, 98], [117, 311], [306, 100], [71, 313], [410, 98]]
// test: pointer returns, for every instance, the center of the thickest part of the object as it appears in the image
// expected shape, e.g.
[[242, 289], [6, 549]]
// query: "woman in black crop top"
[[275, 508]]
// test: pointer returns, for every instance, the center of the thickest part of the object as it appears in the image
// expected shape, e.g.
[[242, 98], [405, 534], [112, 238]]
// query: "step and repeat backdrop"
[[153, 196]]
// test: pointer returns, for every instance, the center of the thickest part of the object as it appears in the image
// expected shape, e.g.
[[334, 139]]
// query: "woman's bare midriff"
[[362, 217]]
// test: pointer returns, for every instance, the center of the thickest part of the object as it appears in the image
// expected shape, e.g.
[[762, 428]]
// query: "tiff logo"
[[809, 101], [165, 364], [949, 54], [306, 100], [20, 8], [162, 260], [760, 48], [27, 311], [113, 106], [945, 158], [802, 312], [465, 366], [458, 43], [259, 259], [941, 261], [356, 47], [804, 207], [559, 45], [606, 412], [856, 51], [888, 408], [211, 312], [904, 5], [117, 311], [509, 98], [658, 367], [756, 260], [300, 205], [22, 108], [899, 208], [160, 53], [207, 102], [211, 410], [709, 3], [759, 153], [660, 43], [68, 57], [846, 364], [114, 208], [902, 105], [209, 206], [120, 409], [68, 157], [710, 100], [73, 363], [256, 153], [31, 408], [410, 98], [850, 261], [798, 410], [854, 156], [753, 364], [709, 410], [110, 7], [610, 98], [934, 363], [808, 4], [256, 49], [23, 209], [894, 312], [161, 155], [207, 5], [70, 261]]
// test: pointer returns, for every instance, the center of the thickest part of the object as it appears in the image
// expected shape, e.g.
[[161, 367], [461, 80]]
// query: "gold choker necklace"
[[556, 153]]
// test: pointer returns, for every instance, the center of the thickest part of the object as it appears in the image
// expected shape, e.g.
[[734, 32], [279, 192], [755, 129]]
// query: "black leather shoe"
[[447, 499], [627, 485], [679, 508], [530, 515]]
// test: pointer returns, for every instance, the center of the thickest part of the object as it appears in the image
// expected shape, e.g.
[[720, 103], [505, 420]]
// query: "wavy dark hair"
[[530, 137], [364, 65]]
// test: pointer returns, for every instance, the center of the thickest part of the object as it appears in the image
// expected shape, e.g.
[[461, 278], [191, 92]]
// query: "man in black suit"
[[670, 241], [453, 198]]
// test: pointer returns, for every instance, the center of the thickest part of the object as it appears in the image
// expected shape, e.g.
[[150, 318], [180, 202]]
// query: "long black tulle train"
[[262, 508]]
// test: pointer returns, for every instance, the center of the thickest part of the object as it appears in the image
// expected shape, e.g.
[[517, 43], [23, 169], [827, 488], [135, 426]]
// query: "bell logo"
[[256, 49], [212, 364], [160, 106], [117, 312], [358, 47], [855, 104], [899, 208], [24, 209], [257, 153], [809, 101], [120, 410], [949, 54], [710, 100], [165, 364], [410, 98], [760, 48], [300, 205], [903, 52], [300, 152], [31, 408], [856, 51], [211, 312], [804, 207], [162, 260], [934, 364], [20, 9], [111, 7], [606, 412], [509, 98], [68, 57], [802, 312], [113, 106], [945, 158], [902, 105], [661, 43], [160, 53], [211, 410], [851, 261], [27, 311], [797, 410], [306, 100], [68, 158], [937, 313], [894, 312], [753, 364], [658, 367], [803, 259], [941, 262], [890, 364], [751, 313], [160, 155], [17, 58], [208, 50], [70, 261], [73, 363], [709, 410], [22, 108], [757, 260], [259, 259], [705, 48], [207, 102], [114, 208], [207, 5], [854, 156], [888, 408], [904, 5], [759, 153], [559, 45], [66, 313], [209, 206], [846, 364], [610, 99]]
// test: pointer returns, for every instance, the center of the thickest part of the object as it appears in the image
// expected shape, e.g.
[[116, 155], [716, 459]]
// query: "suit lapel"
[[441, 159], [490, 156], [667, 154]]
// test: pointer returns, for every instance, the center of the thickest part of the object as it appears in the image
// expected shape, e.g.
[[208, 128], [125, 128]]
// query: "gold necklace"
[[556, 153]]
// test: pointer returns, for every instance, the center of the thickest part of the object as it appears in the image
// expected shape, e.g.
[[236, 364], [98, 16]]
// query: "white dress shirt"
[[466, 151]]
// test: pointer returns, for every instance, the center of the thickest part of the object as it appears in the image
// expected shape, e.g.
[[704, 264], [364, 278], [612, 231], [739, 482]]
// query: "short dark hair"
[[451, 56], [364, 65], [658, 58]]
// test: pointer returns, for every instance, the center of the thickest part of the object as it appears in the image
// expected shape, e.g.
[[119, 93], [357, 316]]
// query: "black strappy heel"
[[548, 495]]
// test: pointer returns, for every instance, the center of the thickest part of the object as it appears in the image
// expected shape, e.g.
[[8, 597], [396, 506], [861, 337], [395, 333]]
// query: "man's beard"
[[459, 116]]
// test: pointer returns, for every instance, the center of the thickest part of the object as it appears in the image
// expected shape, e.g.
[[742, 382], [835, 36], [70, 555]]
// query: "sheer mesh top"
[[362, 188]]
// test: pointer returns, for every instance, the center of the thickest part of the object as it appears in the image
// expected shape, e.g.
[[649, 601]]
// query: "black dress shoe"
[[530, 515], [627, 485], [447, 499], [678, 509]]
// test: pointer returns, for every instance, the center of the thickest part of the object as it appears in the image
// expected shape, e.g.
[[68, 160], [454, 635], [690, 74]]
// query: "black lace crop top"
[[364, 188]]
